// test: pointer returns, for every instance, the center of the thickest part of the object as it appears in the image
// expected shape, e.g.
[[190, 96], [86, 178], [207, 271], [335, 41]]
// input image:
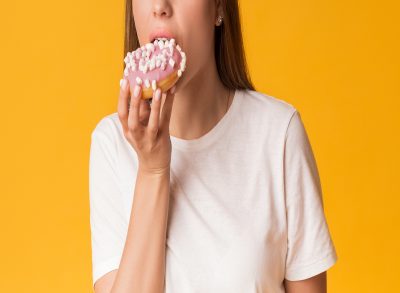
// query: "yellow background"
[[337, 61]]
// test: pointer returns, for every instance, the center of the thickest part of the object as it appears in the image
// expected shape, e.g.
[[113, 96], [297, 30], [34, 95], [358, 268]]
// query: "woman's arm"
[[142, 266], [316, 284]]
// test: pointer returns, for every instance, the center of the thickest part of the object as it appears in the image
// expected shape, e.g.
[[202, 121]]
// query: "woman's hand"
[[145, 128]]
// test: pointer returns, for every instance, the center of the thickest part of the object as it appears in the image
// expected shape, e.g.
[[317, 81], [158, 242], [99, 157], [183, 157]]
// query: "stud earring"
[[219, 19]]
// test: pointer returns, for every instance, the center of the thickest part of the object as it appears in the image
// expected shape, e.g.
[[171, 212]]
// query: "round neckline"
[[212, 135]]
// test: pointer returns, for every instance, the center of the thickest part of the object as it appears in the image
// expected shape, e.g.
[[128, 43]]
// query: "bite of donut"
[[158, 64]]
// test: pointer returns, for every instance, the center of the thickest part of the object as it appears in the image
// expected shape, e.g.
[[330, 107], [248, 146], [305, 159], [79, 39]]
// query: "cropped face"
[[190, 22]]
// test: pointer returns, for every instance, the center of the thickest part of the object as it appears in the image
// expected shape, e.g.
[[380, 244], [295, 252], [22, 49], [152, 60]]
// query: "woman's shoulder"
[[266, 106], [267, 101], [108, 126], [256, 103]]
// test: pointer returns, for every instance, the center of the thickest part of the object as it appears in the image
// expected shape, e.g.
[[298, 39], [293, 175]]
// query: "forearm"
[[315, 284], [142, 267]]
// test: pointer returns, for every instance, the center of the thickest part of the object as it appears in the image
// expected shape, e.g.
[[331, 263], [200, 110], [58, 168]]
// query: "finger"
[[123, 103], [167, 110], [144, 111], [133, 118], [155, 112]]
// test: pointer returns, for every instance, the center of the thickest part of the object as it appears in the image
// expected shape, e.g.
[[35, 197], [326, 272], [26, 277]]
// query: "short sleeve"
[[107, 220], [310, 248]]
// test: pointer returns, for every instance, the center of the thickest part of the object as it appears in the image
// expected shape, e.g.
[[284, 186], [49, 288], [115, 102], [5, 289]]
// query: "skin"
[[315, 284], [201, 98], [194, 107]]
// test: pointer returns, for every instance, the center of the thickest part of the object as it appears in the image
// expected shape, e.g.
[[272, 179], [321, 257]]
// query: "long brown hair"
[[229, 50]]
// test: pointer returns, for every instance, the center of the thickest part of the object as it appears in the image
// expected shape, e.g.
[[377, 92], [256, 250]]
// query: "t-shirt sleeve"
[[107, 220], [310, 248]]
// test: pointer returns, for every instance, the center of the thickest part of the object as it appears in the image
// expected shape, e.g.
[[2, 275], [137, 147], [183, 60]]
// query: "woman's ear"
[[219, 13]]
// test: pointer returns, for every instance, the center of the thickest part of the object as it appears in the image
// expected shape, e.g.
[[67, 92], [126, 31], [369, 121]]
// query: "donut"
[[158, 64]]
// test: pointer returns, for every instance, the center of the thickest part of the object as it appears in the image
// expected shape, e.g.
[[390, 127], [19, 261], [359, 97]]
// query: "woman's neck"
[[199, 105]]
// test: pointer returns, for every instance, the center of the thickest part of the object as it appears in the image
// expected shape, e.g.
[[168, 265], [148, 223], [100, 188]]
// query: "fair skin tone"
[[201, 98], [315, 284], [197, 103]]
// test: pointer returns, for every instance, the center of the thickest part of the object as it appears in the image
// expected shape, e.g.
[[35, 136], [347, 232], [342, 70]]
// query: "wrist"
[[154, 171]]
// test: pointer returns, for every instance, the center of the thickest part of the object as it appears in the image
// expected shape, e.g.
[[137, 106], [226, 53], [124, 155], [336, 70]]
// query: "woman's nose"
[[162, 8]]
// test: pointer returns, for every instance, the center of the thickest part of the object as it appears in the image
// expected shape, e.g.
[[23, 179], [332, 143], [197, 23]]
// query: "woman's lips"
[[160, 38], [161, 33]]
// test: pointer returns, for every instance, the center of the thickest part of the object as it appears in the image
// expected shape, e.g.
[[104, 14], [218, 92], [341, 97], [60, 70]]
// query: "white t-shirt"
[[246, 206]]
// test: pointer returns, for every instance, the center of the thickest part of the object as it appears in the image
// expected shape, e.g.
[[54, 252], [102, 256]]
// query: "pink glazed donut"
[[155, 65]]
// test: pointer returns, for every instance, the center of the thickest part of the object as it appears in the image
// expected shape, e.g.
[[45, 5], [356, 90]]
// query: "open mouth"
[[160, 39]]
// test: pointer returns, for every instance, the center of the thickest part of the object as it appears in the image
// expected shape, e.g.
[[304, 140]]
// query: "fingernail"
[[123, 83], [158, 94], [136, 90]]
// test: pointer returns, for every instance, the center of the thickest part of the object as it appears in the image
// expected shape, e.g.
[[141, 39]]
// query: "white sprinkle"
[[138, 80], [137, 54], [161, 44], [171, 62], [155, 42], [128, 65], [147, 83], [120, 82], [145, 68], [153, 85], [172, 42], [158, 63], [179, 72], [150, 46], [163, 65], [125, 73], [178, 48]]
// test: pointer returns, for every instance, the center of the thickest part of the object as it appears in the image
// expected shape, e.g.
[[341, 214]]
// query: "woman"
[[211, 188]]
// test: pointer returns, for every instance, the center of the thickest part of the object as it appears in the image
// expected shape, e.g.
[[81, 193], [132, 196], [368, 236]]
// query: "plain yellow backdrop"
[[336, 61]]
